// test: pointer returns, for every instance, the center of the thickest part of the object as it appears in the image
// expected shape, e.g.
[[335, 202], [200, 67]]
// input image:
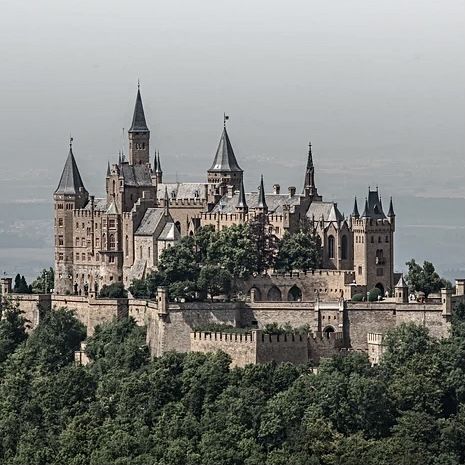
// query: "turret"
[[391, 215], [262, 207], [401, 291], [139, 135], [69, 196], [158, 170], [241, 206], [355, 213], [225, 170]]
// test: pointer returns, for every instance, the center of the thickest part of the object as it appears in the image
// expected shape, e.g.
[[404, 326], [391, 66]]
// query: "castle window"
[[77, 241], [126, 245], [111, 242], [331, 247], [97, 242], [387, 239], [379, 239], [111, 223], [60, 221], [274, 294], [140, 251], [97, 257], [60, 256], [294, 294], [148, 252], [60, 240], [360, 270], [77, 225], [344, 247], [372, 239], [111, 259]]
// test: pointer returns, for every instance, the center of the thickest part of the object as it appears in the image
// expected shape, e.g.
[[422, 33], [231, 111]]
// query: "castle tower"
[[310, 189], [158, 170], [69, 195], [401, 291], [139, 135], [225, 171], [373, 237]]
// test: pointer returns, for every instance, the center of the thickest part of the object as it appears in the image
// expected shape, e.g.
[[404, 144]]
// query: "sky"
[[377, 86]]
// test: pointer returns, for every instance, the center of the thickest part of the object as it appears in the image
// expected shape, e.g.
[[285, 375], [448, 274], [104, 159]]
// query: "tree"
[[113, 291], [214, 280], [45, 282], [424, 279], [299, 251], [12, 329], [21, 286]]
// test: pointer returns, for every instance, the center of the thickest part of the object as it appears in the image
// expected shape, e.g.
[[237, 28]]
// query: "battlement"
[[249, 337], [348, 274], [363, 222], [192, 202]]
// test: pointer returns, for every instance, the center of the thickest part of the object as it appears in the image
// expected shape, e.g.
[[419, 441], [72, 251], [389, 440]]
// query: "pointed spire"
[[365, 211], [391, 209], [119, 157], [309, 181], [158, 168], [241, 201], [155, 164], [401, 282], [225, 160], [70, 181], [166, 206], [108, 169], [355, 213], [261, 195], [138, 120]]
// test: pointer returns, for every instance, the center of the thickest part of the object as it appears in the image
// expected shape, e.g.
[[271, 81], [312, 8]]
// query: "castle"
[[99, 241], [120, 237]]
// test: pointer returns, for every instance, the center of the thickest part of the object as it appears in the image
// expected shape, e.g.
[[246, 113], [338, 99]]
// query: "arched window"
[[126, 245], [274, 294], [140, 251], [331, 246], [104, 241], [111, 242], [344, 248], [178, 225], [294, 294]]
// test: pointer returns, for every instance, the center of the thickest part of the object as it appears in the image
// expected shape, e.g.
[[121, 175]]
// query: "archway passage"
[[274, 294], [294, 294], [258, 294], [381, 288], [327, 331]]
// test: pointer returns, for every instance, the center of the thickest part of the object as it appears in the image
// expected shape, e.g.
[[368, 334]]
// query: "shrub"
[[373, 294], [113, 291], [357, 297]]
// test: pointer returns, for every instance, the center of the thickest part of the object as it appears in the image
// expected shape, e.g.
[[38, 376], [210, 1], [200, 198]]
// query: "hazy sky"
[[378, 86]]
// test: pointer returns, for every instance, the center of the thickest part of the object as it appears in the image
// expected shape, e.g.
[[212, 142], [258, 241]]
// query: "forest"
[[193, 409]]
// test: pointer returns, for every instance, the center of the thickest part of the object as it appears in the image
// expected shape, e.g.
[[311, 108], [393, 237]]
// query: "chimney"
[[276, 188], [291, 191]]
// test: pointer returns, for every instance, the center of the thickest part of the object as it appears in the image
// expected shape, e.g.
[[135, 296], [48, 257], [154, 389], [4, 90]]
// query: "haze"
[[376, 86]]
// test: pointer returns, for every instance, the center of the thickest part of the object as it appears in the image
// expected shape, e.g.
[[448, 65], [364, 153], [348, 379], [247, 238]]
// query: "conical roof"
[[391, 209], [355, 212], [70, 181], [225, 160], [261, 195], [138, 119], [365, 210], [401, 282], [241, 201]]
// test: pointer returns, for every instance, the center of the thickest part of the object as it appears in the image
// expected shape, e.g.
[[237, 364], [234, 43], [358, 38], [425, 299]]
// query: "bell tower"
[[139, 135]]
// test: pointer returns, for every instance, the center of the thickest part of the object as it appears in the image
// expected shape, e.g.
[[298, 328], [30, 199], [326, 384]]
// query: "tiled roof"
[[169, 233], [327, 210], [182, 191], [99, 205]]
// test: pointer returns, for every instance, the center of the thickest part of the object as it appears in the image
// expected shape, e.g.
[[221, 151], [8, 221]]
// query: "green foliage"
[[275, 328], [358, 297], [214, 280], [220, 328], [45, 282], [20, 285], [12, 329], [113, 291], [374, 294], [299, 251], [194, 409], [424, 278]]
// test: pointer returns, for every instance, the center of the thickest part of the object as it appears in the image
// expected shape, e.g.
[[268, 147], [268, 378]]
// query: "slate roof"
[[375, 207], [275, 202], [150, 222], [70, 181], [138, 120], [225, 160], [99, 205], [327, 210], [136, 175], [401, 282], [169, 232], [182, 190]]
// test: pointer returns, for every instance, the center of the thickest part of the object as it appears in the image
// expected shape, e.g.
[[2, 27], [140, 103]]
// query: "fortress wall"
[[324, 345], [259, 314], [92, 312], [282, 348], [139, 310], [171, 331], [379, 317], [327, 284], [242, 348], [30, 305]]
